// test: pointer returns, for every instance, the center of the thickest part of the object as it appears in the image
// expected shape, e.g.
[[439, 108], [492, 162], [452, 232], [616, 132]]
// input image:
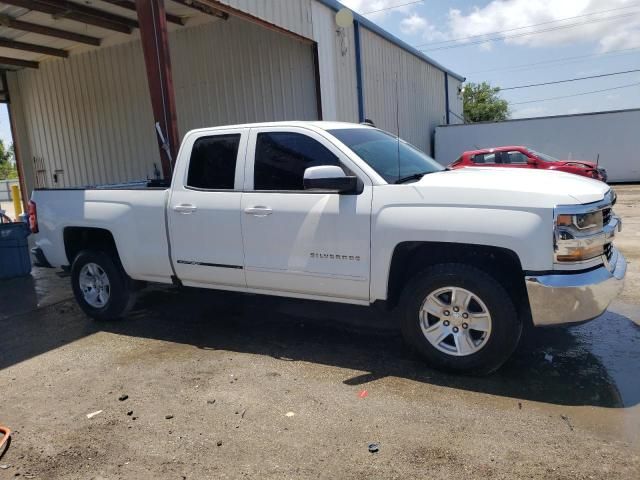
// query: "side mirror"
[[531, 161], [329, 178]]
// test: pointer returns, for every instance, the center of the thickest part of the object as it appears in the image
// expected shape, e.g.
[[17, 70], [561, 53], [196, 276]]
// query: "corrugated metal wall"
[[89, 117], [292, 15], [336, 55], [400, 88], [237, 72], [455, 101]]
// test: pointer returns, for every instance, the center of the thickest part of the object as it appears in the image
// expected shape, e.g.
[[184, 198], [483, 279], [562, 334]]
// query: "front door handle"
[[185, 208], [258, 211]]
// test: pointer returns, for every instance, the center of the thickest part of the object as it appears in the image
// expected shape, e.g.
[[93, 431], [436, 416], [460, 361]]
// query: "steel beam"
[[204, 7], [155, 46], [16, 24], [79, 13], [16, 62], [31, 47], [130, 5]]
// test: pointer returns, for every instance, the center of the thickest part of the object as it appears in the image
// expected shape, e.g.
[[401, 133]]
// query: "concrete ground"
[[230, 386]]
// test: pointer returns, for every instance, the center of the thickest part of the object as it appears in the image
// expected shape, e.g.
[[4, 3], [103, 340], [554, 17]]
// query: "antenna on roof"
[[398, 124]]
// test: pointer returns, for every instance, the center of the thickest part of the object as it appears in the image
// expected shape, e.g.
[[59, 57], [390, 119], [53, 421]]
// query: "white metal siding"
[[89, 117], [578, 137], [292, 15], [455, 101], [400, 88], [337, 67], [238, 72]]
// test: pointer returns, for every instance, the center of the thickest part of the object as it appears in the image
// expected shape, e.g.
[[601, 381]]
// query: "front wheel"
[[100, 285], [459, 318]]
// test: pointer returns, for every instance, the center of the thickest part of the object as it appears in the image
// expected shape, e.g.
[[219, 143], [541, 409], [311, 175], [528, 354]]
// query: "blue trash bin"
[[14, 250]]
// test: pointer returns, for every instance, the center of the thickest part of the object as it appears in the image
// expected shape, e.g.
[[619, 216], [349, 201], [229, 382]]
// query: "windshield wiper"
[[415, 176]]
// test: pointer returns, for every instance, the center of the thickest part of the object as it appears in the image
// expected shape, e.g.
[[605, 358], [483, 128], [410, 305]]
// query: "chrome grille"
[[608, 250], [606, 216]]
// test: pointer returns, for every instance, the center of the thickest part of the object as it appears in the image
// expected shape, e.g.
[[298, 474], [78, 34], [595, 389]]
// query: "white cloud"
[[364, 6], [621, 31], [412, 24], [417, 25]]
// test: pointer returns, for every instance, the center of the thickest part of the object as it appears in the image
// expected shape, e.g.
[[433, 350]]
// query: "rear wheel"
[[459, 318], [100, 285]]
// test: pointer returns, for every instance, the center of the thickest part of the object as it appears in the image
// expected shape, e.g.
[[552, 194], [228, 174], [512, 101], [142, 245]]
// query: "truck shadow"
[[567, 366], [592, 364]]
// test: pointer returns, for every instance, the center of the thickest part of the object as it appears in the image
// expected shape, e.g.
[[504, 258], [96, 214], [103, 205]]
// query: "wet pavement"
[[567, 405]]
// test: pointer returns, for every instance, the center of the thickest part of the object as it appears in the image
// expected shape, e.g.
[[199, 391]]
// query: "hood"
[[515, 187], [584, 163]]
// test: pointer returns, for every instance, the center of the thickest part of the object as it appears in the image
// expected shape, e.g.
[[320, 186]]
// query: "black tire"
[[506, 326], [121, 287]]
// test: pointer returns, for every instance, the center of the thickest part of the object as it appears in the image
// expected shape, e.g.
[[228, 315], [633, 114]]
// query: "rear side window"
[[213, 162], [282, 157], [486, 158]]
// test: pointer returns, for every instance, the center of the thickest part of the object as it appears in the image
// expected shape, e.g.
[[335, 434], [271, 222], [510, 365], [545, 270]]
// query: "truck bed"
[[133, 213]]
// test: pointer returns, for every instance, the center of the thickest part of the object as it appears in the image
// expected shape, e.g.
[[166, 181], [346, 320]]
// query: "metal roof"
[[335, 5]]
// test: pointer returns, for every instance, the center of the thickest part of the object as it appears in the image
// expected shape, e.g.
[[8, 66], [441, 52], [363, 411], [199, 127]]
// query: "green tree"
[[8, 168], [482, 103]]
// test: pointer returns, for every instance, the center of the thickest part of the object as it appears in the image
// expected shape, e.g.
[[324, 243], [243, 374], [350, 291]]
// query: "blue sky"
[[611, 40], [608, 34]]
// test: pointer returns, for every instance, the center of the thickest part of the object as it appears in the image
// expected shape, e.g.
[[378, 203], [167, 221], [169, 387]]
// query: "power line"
[[390, 8], [576, 94], [524, 34], [569, 80], [528, 26], [527, 66]]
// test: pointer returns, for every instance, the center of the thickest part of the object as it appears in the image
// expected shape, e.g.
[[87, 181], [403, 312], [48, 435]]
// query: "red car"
[[523, 157]]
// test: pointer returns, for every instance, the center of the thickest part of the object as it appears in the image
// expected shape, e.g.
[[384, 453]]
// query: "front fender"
[[528, 233]]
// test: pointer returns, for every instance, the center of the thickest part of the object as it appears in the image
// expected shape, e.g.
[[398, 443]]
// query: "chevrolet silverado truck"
[[340, 212]]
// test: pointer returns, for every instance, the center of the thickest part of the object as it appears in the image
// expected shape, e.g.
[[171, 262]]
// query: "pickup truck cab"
[[348, 213], [524, 157]]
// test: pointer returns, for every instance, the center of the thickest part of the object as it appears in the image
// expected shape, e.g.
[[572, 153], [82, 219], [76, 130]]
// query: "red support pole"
[[155, 45]]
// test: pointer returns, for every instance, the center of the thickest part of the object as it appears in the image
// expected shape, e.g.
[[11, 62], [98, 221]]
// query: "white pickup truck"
[[348, 213]]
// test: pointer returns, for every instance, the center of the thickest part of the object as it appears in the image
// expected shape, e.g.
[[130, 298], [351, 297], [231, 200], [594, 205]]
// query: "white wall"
[[455, 101], [615, 136], [400, 88], [292, 15], [89, 117], [337, 66]]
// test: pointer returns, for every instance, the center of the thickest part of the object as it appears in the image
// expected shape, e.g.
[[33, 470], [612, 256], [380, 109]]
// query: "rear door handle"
[[258, 211], [185, 208]]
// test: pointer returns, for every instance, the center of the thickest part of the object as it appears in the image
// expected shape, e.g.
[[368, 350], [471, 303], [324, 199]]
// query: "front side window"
[[393, 159], [213, 162], [282, 158]]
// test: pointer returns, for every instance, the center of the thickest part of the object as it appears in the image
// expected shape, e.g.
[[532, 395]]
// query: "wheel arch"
[[77, 239], [410, 258]]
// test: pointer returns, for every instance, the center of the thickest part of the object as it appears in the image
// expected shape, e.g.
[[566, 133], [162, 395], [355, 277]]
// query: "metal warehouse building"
[[90, 84]]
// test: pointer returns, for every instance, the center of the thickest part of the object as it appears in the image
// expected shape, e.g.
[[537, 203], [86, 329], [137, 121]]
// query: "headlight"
[[580, 224], [579, 237]]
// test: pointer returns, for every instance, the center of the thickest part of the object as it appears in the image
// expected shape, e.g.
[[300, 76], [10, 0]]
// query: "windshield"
[[543, 156], [380, 150]]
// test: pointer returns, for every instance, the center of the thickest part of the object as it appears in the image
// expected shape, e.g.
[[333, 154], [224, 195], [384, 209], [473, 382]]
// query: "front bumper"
[[569, 298]]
